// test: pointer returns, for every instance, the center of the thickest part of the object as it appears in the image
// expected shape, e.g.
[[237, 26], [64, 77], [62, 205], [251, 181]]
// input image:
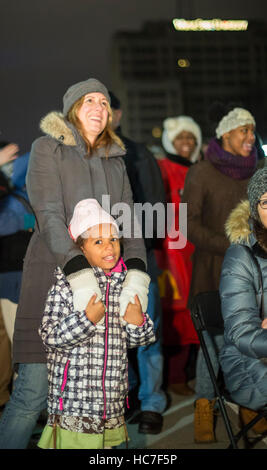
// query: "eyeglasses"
[[263, 203]]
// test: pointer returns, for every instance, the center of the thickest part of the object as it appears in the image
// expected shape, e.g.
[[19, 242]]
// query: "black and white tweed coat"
[[87, 363]]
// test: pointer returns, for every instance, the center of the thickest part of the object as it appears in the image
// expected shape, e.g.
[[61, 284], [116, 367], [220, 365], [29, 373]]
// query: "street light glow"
[[156, 132], [183, 63]]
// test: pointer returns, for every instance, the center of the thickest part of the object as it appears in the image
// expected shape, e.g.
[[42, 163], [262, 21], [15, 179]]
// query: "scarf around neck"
[[234, 166], [178, 159]]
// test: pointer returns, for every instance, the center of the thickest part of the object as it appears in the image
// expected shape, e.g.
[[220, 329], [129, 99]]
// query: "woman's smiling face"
[[184, 144], [239, 141], [93, 115]]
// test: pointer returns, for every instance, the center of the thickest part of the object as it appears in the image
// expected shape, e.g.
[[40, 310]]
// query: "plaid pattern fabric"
[[87, 363]]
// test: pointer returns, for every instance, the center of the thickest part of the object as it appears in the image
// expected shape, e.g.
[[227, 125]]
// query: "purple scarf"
[[234, 166]]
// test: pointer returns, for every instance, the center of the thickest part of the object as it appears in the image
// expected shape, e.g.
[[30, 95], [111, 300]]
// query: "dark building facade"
[[160, 72]]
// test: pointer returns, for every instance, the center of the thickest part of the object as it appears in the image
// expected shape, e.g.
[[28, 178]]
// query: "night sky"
[[46, 46]]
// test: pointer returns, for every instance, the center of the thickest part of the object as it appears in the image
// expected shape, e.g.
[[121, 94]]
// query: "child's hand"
[[134, 313], [95, 311], [264, 323]]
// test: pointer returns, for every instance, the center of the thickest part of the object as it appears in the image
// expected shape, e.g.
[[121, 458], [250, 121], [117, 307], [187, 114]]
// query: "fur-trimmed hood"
[[238, 228], [241, 228], [56, 126]]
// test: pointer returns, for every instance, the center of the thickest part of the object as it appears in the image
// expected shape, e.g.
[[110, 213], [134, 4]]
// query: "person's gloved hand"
[[136, 283], [83, 285]]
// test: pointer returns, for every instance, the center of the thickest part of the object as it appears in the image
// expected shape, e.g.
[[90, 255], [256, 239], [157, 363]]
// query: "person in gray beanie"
[[243, 288], [80, 89], [79, 157], [256, 188]]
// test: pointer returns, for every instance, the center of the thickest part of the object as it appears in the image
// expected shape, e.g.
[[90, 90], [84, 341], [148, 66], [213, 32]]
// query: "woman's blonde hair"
[[107, 136]]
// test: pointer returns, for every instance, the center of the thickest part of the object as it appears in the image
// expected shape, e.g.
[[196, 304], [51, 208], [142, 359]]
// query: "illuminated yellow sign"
[[181, 24]]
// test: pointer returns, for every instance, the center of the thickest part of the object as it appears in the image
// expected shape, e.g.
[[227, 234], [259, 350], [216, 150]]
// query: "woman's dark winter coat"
[[210, 196], [59, 176]]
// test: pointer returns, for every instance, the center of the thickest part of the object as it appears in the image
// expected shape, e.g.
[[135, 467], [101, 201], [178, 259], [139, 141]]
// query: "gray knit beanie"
[[75, 92], [257, 186]]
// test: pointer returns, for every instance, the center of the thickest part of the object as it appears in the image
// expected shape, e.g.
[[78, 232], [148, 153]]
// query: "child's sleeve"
[[62, 328], [140, 335]]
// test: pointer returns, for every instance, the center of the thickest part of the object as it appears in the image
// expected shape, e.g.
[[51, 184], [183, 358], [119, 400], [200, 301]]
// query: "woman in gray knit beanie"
[[79, 103], [79, 157]]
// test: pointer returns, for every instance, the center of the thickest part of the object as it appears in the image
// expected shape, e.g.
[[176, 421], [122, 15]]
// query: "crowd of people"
[[78, 289]]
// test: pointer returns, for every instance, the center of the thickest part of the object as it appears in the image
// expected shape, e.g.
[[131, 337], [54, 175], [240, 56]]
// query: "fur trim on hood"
[[55, 125], [240, 225], [237, 226]]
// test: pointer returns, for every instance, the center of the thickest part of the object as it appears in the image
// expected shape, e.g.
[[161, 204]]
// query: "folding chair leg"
[[217, 391], [243, 432]]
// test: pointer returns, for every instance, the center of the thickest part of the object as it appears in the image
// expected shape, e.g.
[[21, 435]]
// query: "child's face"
[[102, 247]]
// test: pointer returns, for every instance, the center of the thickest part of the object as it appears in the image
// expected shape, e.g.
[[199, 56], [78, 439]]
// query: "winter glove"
[[83, 285], [136, 283]]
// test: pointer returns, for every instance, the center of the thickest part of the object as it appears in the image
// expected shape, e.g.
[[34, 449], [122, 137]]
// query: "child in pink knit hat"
[[87, 349]]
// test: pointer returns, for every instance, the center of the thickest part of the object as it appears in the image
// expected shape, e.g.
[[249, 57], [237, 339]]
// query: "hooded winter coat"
[[242, 356], [59, 176]]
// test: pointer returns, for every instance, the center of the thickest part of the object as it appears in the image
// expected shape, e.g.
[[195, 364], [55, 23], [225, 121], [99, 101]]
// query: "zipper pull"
[[61, 404], [127, 402]]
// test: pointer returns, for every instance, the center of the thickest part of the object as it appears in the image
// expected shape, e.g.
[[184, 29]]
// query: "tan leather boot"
[[246, 415], [203, 421]]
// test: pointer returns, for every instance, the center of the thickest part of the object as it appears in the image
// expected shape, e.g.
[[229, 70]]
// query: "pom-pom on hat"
[[88, 213], [257, 186], [174, 126], [235, 118], [76, 91]]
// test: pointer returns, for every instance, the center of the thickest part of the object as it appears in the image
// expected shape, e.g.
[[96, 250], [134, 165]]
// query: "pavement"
[[178, 429]]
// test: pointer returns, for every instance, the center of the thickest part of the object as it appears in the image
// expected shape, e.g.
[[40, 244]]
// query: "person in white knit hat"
[[182, 136], [182, 141], [87, 349], [212, 189]]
